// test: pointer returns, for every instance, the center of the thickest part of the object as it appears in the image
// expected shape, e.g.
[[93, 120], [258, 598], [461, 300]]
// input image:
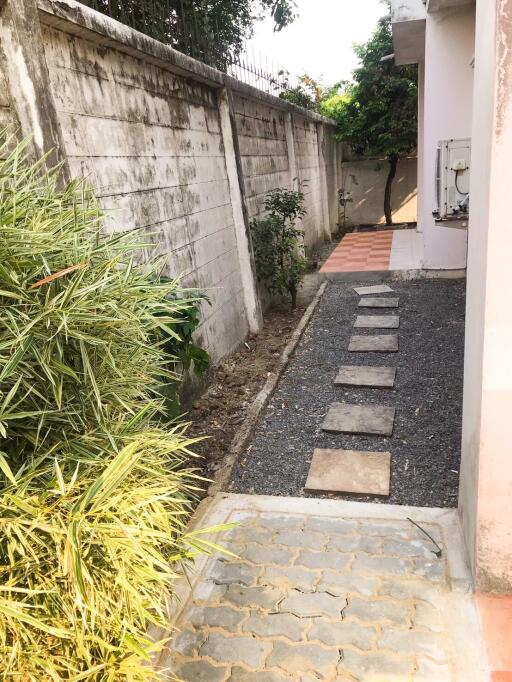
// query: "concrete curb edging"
[[393, 275], [244, 433]]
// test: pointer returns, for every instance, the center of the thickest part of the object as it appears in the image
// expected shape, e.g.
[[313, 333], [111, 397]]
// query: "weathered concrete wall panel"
[[363, 182], [150, 143], [263, 151], [173, 148]]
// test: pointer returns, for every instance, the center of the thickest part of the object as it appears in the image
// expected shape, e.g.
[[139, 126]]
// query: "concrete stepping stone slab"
[[360, 375], [377, 321], [349, 471], [384, 343], [372, 420], [378, 302], [373, 289]]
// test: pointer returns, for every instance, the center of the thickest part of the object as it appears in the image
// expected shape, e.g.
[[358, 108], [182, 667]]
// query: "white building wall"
[[448, 92]]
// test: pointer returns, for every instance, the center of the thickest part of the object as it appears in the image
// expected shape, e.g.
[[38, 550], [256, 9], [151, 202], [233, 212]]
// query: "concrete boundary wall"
[[172, 147]]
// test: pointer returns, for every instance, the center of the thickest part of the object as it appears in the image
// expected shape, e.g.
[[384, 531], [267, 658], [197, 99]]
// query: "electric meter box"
[[453, 163]]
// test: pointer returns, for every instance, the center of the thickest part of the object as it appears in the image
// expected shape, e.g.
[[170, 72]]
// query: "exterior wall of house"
[[486, 472], [170, 146], [448, 91], [364, 181]]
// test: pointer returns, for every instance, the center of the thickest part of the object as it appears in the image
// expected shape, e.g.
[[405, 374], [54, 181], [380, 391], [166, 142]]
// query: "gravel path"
[[425, 445]]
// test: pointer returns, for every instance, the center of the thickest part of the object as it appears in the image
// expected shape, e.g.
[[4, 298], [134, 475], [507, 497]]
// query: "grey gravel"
[[425, 445]]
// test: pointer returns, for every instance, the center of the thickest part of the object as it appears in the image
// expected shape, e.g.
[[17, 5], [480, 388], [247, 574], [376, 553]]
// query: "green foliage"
[[377, 115], [311, 94], [214, 32], [95, 486], [279, 262]]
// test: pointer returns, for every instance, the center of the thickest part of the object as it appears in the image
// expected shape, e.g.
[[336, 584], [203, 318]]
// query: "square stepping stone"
[[378, 302], [377, 321], [372, 420], [385, 343], [349, 471], [375, 377], [373, 289]]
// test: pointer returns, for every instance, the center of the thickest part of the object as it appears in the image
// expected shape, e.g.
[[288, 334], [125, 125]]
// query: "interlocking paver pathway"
[[330, 591]]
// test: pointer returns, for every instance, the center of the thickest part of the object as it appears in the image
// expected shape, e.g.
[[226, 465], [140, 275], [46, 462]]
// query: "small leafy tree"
[[378, 116], [280, 263]]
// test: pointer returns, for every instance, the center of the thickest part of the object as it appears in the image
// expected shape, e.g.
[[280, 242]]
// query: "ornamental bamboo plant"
[[95, 486]]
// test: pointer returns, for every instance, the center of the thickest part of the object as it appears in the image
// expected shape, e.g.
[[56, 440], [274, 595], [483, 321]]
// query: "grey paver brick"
[[409, 589], [372, 610], [200, 671], [241, 675], [340, 635], [260, 596], [433, 570], [373, 666], [323, 560], [187, 642], [412, 642], [237, 649], [303, 658], [382, 565], [409, 548], [301, 538], [308, 604], [251, 533], [224, 573], [259, 554], [289, 576], [328, 524], [208, 591], [397, 529], [427, 616], [359, 543], [215, 616], [280, 521], [430, 671], [347, 584], [275, 624]]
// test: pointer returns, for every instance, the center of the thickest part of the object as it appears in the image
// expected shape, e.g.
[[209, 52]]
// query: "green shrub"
[[96, 487], [280, 264]]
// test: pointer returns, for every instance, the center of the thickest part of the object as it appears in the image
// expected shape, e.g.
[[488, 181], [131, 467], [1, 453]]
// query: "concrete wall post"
[[239, 207], [326, 227], [290, 148], [22, 59]]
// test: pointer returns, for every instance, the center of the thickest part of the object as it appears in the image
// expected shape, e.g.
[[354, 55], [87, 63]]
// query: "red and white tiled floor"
[[375, 252]]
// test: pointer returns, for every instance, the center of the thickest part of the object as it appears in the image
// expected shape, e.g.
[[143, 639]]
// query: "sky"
[[319, 42]]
